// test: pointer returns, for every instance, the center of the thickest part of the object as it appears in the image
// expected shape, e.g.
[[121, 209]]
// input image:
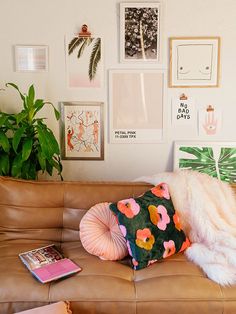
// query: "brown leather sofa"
[[34, 214]]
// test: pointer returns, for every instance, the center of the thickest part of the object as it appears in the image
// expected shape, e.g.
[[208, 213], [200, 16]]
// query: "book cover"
[[48, 264]]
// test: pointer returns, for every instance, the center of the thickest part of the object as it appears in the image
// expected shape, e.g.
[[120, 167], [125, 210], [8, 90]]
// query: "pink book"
[[48, 264]]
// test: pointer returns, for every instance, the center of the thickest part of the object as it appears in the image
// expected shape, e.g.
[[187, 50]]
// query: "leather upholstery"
[[33, 214]]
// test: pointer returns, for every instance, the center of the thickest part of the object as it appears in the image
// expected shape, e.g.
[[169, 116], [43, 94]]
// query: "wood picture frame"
[[194, 61]]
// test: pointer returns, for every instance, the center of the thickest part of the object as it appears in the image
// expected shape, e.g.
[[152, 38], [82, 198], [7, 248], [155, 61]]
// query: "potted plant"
[[27, 145]]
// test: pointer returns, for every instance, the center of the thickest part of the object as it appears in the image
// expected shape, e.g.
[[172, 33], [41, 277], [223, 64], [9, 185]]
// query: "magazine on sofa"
[[48, 264]]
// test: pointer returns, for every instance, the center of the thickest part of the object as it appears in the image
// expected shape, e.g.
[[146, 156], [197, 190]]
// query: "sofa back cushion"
[[52, 210]]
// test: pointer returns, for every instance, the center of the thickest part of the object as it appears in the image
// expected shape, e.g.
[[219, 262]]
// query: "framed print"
[[140, 32], [84, 62], [136, 106], [194, 62], [82, 130], [217, 159], [31, 58]]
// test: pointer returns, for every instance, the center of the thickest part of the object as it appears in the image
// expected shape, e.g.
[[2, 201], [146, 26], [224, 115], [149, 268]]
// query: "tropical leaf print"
[[80, 43], [204, 160], [94, 59], [227, 164]]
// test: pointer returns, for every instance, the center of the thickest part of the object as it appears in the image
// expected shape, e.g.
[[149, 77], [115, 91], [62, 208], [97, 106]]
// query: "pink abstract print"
[[82, 131]]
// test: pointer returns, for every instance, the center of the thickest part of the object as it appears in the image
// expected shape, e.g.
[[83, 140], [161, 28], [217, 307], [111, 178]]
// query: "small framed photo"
[[140, 32], [194, 62], [31, 58], [82, 130], [136, 111], [217, 159]]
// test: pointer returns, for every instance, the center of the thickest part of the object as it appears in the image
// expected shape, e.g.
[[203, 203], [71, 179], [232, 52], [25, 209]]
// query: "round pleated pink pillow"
[[100, 234]]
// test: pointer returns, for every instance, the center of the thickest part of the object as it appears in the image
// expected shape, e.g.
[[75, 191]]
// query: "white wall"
[[44, 22]]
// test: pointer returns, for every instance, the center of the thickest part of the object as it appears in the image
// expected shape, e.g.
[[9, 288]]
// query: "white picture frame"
[[194, 61], [136, 110], [31, 58], [140, 32], [217, 159]]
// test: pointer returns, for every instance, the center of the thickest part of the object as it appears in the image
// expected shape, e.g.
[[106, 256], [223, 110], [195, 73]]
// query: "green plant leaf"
[[4, 164], [3, 118], [27, 148], [56, 112], [17, 138], [47, 141], [41, 160], [28, 171], [4, 142], [49, 168], [203, 162], [17, 88], [31, 95], [227, 164], [74, 43], [16, 166], [38, 105], [21, 116], [94, 59]]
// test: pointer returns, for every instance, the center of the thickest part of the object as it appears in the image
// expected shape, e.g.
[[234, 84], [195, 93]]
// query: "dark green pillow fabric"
[[151, 226]]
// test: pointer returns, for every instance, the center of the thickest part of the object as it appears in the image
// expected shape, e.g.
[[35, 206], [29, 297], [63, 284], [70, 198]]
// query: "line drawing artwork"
[[82, 135], [188, 67], [82, 131]]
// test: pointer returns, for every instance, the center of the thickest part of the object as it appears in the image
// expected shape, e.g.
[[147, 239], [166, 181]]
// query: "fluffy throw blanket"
[[207, 209]]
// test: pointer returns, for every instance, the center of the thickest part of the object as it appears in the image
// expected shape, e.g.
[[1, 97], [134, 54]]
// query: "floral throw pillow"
[[150, 226]]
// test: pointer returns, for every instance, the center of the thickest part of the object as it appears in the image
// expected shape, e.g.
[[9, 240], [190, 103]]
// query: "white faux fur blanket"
[[207, 209]]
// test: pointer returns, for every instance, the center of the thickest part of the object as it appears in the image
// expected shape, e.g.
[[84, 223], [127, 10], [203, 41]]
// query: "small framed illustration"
[[31, 58], [194, 62], [82, 130], [217, 159], [136, 106], [140, 32]]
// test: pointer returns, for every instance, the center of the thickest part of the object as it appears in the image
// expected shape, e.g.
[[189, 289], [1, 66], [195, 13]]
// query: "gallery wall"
[[28, 22]]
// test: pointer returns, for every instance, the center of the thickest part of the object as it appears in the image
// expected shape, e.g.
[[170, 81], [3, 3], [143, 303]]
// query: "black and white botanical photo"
[[140, 32]]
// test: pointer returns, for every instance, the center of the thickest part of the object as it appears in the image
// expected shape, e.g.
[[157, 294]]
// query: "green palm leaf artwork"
[[217, 162], [79, 44]]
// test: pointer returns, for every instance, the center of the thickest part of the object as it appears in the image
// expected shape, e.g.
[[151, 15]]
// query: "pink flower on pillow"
[[159, 216], [161, 190], [128, 207], [169, 248]]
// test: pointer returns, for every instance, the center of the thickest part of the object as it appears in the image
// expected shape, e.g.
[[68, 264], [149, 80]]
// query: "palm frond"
[[87, 42], [94, 59], [74, 43]]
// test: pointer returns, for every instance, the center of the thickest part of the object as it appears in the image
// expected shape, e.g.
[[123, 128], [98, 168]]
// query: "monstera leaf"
[[227, 164], [204, 160]]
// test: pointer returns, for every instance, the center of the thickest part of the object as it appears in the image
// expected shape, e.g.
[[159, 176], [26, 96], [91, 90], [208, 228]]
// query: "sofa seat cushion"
[[105, 285]]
